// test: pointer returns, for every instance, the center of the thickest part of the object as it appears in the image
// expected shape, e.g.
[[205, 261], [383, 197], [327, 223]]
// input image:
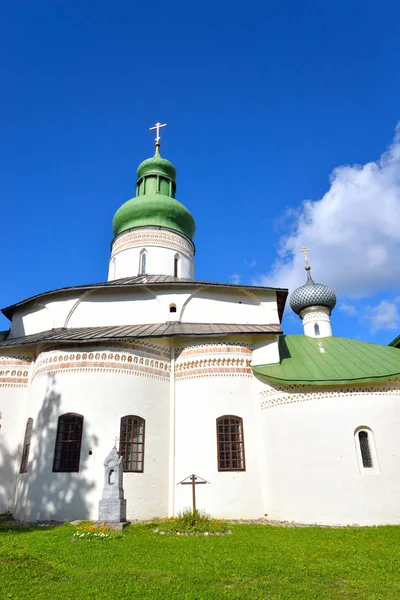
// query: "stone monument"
[[112, 506]]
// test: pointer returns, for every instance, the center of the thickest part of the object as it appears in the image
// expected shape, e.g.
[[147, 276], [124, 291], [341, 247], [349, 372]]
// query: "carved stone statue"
[[112, 506]]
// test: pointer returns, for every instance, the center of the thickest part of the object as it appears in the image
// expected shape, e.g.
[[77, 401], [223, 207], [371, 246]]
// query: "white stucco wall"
[[144, 305], [161, 247], [14, 378], [102, 394], [316, 321], [202, 394], [312, 471]]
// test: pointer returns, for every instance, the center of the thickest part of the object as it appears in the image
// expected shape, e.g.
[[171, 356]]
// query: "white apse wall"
[[102, 398], [312, 472]]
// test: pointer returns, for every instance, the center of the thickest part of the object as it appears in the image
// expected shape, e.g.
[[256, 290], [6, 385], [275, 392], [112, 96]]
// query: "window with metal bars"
[[365, 449], [67, 450], [230, 443], [27, 445], [131, 443]]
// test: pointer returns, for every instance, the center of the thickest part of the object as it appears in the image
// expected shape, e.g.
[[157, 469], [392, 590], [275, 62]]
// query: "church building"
[[190, 376]]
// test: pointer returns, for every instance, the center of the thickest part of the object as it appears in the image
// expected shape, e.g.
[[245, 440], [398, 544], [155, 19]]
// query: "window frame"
[[27, 446], [374, 468], [143, 262], [231, 442], [317, 329], [78, 441], [131, 443], [176, 265]]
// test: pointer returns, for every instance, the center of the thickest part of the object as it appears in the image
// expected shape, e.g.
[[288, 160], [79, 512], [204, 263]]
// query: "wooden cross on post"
[[193, 480]]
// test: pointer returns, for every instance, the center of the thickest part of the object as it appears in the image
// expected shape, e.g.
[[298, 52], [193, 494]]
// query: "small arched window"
[[365, 449], [230, 443], [143, 261], [316, 329], [131, 443], [67, 451], [176, 265], [26, 448], [172, 308]]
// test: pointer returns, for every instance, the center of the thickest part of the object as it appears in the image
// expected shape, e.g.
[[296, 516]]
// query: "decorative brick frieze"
[[14, 372], [152, 237], [213, 361], [102, 361], [278, 395]]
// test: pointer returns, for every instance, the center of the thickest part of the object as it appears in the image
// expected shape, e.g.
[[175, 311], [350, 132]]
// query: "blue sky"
[[264, 100]]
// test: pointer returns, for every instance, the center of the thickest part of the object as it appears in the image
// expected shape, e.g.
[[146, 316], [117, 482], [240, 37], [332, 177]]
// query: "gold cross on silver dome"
[[157, 127], [304, 249]]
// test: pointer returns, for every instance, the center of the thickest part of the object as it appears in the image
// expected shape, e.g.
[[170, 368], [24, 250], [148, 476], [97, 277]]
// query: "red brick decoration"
[[213, 360], [150, 237], [14, 372], [102, 361]]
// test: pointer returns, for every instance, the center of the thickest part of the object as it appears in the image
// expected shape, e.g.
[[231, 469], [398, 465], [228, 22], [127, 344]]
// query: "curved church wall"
[[212, 380], [313, 465], [103, 384], [14, 379], [161, 248]]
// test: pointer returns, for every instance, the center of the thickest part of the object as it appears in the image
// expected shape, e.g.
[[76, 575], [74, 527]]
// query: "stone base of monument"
[[112, 510], [115, 526]]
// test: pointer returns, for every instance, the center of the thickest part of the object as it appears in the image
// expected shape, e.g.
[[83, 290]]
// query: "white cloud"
[[383, 316], [349, 309], [235, 278], [353, 231]]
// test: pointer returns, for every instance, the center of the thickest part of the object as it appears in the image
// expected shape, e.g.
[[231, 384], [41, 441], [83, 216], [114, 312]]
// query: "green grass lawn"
[[255, 562]]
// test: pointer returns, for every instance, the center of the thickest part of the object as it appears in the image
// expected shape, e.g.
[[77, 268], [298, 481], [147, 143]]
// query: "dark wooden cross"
[[193, 480]]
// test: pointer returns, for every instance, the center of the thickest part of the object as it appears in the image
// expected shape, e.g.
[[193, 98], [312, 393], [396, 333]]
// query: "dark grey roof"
[[128, 332], [312, 294], [151, 280]]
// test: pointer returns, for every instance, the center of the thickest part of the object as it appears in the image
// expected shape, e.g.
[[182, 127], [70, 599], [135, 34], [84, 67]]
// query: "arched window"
[[176, 265], [131, 443], [230, 443], [365, 449], [143, 260], [27, 445], [67, 450], [316, 329], [172, 308]]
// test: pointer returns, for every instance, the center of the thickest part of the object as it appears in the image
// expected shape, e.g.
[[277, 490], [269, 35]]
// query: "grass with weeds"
[[189, 522], [256, 562]]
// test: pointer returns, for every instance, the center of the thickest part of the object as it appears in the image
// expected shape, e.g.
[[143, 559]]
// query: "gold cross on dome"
[[157, 127], [304, 249]]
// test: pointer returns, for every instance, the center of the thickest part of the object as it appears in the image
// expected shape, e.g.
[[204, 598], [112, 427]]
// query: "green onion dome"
[[312, 294], [156, 165], [154, 204]]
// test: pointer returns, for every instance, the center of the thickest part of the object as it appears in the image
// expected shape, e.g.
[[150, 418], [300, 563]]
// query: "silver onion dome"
[[312, 294]]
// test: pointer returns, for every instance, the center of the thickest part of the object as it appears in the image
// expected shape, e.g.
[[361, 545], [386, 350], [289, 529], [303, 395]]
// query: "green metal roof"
[[330, 361]]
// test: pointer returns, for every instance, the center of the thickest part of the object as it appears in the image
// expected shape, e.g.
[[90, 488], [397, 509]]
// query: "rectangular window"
[[67, 450], [131, 443], [230, 443]]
